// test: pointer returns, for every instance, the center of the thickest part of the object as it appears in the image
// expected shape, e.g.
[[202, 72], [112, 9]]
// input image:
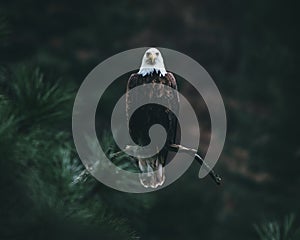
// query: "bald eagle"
[[152, 70]]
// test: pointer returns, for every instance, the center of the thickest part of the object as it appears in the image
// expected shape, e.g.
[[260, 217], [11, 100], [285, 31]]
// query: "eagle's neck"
[[150, 70]]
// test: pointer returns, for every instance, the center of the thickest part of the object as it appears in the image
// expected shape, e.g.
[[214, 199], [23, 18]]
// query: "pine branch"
[[277, 230]]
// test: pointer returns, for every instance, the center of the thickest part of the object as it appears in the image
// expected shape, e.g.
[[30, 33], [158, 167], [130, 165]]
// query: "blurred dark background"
[[250, 48]]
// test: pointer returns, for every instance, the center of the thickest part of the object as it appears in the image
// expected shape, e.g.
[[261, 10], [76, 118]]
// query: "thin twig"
[[193, 152]]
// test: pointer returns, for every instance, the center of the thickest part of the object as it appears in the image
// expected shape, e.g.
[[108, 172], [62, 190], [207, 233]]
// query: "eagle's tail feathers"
[[151, 176]]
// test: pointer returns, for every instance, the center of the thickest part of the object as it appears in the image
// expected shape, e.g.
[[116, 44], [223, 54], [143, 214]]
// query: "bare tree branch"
[[193, 152], [179, 148]]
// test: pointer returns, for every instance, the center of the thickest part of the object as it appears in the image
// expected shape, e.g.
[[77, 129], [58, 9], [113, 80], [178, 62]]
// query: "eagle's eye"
[[157, 53], [147, 54]]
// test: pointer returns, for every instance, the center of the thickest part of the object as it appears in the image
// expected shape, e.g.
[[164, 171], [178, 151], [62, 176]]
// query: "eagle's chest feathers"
[[159, 91], [153, 78]]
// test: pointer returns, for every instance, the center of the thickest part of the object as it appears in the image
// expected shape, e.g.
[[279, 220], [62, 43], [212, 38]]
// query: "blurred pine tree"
[[38, 165], [276, 230]]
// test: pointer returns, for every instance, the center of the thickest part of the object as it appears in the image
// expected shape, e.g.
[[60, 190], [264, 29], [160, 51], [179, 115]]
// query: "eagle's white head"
[[152, 61]]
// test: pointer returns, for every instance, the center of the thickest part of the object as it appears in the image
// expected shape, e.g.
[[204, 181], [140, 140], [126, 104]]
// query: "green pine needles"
[[276, 230], [38, 164]]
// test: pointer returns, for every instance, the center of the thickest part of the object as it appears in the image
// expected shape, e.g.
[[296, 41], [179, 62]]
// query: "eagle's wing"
[[174, 101], [171, 80], [133, 81]]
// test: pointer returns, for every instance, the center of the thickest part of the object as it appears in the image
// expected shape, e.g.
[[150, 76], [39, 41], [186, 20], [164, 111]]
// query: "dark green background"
[[250, 48]]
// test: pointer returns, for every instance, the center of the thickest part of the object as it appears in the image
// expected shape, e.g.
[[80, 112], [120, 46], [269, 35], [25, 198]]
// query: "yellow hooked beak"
[[152, 58]]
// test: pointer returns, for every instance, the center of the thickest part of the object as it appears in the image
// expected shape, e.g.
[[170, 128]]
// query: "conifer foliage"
[[276, 230], [38, 164]]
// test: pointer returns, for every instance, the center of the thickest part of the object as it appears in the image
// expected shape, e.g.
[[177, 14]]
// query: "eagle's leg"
[[152, 171]]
